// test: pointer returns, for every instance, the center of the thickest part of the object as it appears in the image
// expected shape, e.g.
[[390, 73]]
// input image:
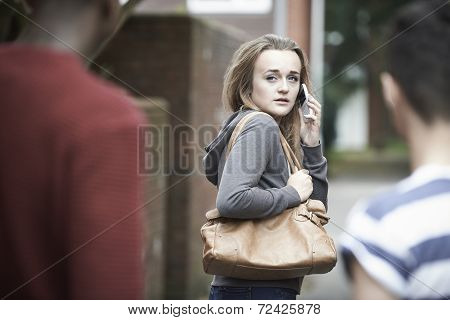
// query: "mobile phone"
[[303, 99]]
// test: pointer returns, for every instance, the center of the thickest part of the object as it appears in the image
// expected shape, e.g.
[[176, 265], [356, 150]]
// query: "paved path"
[[343, 193]]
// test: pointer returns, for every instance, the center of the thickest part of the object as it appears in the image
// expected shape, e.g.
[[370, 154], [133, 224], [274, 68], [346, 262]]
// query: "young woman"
[[253, 179]]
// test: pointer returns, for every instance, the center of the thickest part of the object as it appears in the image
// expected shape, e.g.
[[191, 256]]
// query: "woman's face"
[[276, 81]]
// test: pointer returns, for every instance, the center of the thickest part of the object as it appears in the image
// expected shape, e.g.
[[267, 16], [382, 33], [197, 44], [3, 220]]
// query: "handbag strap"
[[238, 129], [294, 164]]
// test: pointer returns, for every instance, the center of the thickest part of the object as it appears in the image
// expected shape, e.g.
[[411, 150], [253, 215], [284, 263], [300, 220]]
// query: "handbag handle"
[[294, 164]]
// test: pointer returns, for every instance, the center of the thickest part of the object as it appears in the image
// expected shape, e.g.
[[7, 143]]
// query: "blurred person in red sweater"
[[69, 187]]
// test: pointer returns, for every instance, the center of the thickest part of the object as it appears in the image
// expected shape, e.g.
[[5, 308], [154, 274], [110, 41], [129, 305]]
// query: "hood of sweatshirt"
[[215, 149]]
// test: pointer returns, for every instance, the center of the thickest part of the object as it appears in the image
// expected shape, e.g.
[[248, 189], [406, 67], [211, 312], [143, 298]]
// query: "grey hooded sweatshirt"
[[252, 180]]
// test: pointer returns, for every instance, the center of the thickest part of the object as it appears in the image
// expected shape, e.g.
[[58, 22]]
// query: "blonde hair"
[[237, 88]]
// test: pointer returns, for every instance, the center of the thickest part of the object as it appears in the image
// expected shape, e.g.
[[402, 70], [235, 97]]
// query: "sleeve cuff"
[[292, 196], [312, 155]]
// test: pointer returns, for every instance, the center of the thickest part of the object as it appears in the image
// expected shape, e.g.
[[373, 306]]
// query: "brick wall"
[[212, 49], [182, 60], [251, 25]]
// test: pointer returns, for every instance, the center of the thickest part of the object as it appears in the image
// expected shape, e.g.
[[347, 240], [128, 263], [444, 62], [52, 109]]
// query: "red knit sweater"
[[68, 172]]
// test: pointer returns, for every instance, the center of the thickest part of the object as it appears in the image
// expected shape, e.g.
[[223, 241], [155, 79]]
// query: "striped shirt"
[[402, 237]]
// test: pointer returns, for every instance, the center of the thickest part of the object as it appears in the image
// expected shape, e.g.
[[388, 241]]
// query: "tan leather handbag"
[[289, 245]]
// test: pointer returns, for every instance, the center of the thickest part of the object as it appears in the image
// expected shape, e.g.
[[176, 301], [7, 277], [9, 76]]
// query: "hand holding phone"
[[303, 99]]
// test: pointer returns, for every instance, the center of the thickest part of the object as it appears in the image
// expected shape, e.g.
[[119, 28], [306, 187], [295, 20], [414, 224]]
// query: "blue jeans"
[[251, 293]]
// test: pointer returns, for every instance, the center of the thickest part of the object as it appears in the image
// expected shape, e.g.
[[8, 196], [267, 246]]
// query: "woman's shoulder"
[[262, 120], [262, 129]]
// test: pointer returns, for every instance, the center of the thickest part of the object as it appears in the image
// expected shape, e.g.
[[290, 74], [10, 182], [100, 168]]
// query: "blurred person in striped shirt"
[[397, 245]]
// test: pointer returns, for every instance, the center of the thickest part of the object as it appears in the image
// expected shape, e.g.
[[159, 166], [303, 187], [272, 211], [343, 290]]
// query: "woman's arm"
[[313, 159], [239, 195], [316, 164]]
